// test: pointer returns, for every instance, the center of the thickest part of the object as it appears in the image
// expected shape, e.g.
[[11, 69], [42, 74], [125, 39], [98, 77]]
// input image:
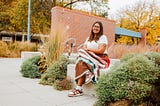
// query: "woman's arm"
[[100, 50]]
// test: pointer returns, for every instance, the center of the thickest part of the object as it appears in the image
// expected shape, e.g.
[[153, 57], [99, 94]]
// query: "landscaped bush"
[[17, 47], [30, 69], [154, 97], [55, 45], [42, 64], [65, 84], [128, 56], [155, 57], [131, 80], [56, 71], [118, 50], [57, 63], [3, 49], [14, 49]]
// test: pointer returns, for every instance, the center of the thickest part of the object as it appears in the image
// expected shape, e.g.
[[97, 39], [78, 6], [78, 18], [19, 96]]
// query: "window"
[[6, 38]]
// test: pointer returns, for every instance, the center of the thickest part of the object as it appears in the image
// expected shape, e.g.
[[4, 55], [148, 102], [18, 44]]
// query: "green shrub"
[[154, 57], [154, 97], [65, 84], [128, 56], [132, 80], [29, 68], [56, 71]]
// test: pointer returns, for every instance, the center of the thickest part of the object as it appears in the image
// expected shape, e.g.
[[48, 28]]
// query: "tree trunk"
[[54, 3]]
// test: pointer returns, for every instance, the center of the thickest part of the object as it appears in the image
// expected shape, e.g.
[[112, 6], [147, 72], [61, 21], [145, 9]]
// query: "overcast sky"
[[117, 4]]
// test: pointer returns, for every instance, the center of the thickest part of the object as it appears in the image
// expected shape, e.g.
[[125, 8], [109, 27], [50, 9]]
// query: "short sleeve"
[[103, 39], [86, 41]]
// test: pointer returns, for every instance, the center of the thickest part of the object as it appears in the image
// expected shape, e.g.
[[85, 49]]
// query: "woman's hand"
[[85, 47]]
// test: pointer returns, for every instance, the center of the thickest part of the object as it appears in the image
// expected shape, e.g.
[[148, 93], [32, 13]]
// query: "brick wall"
[[78, 24], [143, 38]]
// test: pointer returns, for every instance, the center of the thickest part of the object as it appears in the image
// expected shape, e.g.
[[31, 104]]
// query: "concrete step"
[[27, 54]]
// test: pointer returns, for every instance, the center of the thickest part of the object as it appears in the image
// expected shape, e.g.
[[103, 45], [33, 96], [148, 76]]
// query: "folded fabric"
[[96, 61]]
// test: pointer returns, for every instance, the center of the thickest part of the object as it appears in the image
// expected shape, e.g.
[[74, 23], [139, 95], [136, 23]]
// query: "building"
[[19, 36]]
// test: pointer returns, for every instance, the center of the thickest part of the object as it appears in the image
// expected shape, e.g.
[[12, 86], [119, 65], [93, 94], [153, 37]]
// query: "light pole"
[[29, 15]]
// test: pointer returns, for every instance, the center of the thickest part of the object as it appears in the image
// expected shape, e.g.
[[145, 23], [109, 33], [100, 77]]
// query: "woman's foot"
[[75, 92]]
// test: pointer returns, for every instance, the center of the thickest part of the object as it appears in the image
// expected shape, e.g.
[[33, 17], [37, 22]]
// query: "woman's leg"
[[82, 73], [81, 68], [98, 74], [77, 91], [81, 80]]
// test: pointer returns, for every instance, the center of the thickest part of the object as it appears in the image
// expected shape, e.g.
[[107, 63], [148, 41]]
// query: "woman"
[[87, 67]]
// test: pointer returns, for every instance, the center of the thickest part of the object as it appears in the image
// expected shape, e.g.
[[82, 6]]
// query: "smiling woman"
[[90, 61]]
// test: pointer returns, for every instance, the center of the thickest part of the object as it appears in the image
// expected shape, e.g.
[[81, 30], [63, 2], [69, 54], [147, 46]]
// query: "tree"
[[97, 7], [5, 15], [40, 16], [19, 15], [14, 13], [141, 15]]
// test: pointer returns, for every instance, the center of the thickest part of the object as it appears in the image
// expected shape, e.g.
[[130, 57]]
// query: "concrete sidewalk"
[[16, 90]]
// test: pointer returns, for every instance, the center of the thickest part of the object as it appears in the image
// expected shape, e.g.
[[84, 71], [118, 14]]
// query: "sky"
[[116, 4]]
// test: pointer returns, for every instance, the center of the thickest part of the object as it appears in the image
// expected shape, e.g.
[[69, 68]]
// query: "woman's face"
[[96, 28]]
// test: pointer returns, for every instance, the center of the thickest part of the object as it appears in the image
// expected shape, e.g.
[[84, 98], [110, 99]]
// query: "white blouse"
[[94, 45]]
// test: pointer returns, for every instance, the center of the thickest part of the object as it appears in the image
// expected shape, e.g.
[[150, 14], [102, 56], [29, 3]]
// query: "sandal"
[[75, 92]]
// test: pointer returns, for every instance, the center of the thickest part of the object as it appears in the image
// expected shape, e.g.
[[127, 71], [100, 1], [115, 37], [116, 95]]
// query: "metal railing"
[[70, 44]]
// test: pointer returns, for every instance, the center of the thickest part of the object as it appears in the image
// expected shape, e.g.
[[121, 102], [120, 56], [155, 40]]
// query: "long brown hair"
[[91, 37]]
